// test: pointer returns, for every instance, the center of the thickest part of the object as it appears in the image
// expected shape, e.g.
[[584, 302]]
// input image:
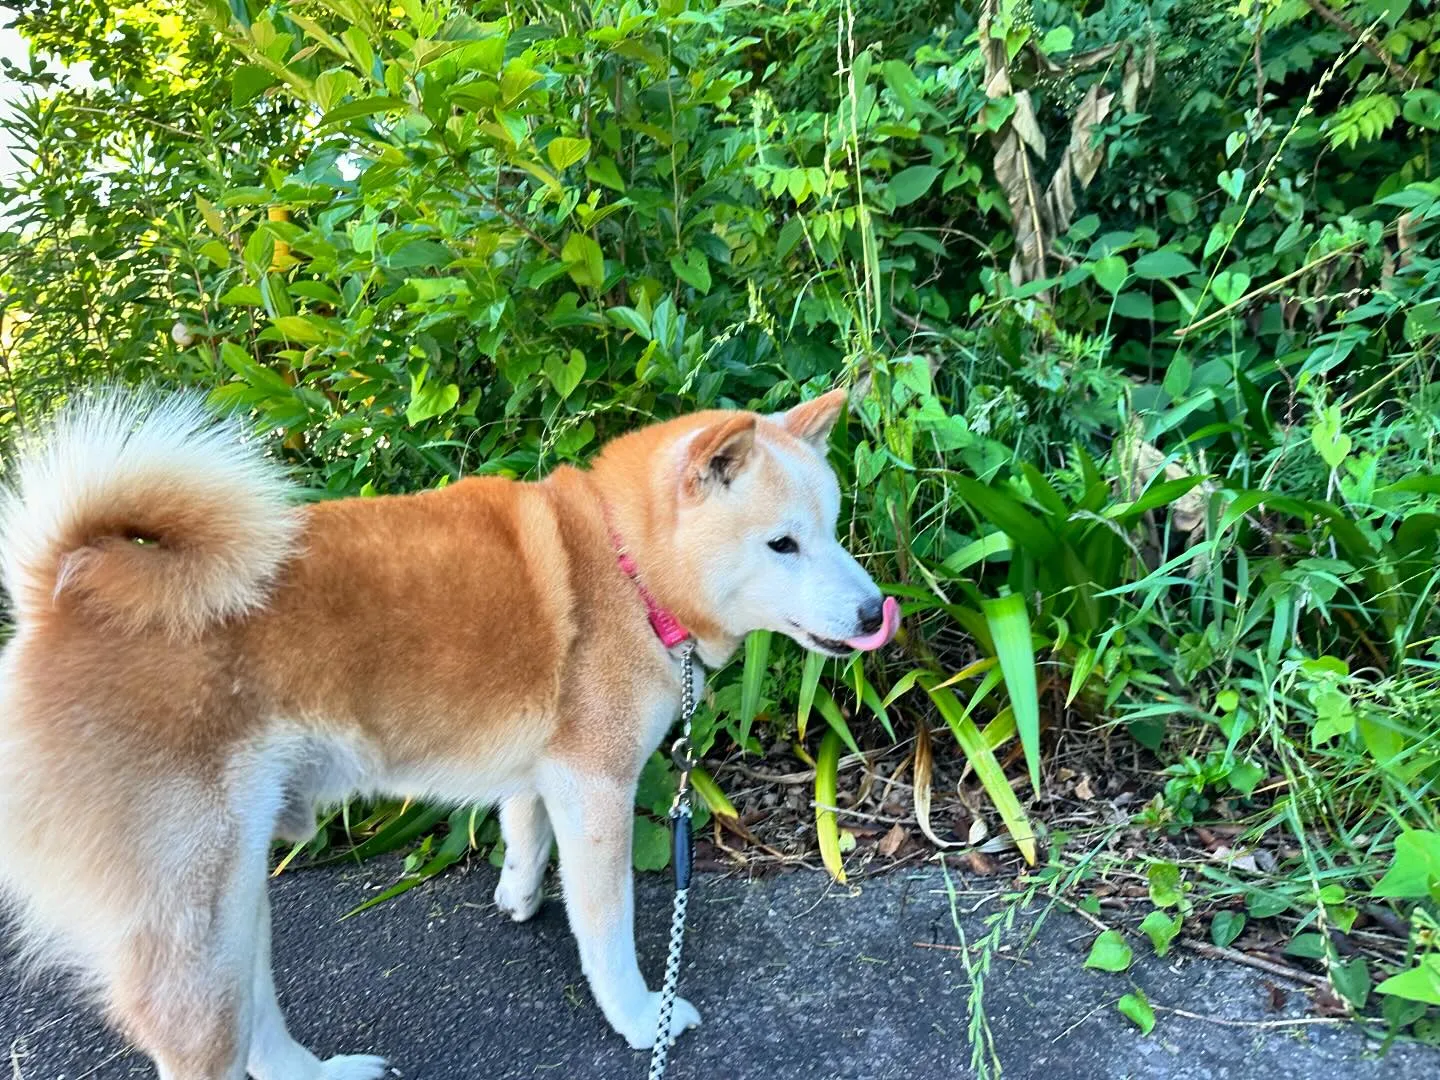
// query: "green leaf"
[[1328, 437], [602, 170], [1422, 108], [835, 718], [301, 328], [809, 680], [752, 680], [1134, 305], [1164, 879], [986, 547], [1351, 979], [1009, 623], [1420, 983], [565, 373], [987, 768], [429, 399], [584, 260], [827, 829], [629, 319], [650, 844], [1136, 1007], [1109, 953], [910, 184], [1154, 265], [1110, 273], [694, 270], [349, 110], [248, 83], [1161, 929], [1226, 926], [1229, 286], [564, 151], [1232, 182], [1414, 867], [1058, 40], [216, 252]]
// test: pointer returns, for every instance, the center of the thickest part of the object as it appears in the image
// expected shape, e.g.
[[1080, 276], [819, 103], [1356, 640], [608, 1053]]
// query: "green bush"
[[1138, 302]]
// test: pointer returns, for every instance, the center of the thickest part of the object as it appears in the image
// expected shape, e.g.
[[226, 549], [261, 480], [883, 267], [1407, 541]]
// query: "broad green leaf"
[[827, 829], [1226, 926], [1420, 983], [1109, 953], [1137, 1008], [694, 270], [350, 110], [564, 151], [602, 170], [986, 547], [650, 841], [1414, 867], [565, 373], [910, 184], [1165, 888], [584, 260], [429, 399], [832, 715], [1161, 929], [1009, 624], [301, 328], [1110, 273], [709, 791], [248, 83], [1162, 264]]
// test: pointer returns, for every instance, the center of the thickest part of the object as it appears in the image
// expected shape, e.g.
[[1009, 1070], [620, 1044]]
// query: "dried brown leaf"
[[890, 843], [924, 777]]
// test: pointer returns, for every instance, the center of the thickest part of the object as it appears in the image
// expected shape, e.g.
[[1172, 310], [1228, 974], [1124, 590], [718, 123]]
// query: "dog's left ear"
[[718, 454], [813, 420]]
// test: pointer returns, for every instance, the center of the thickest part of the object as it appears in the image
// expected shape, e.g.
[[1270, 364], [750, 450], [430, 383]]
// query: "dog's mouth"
[[829, 645], [890, 622]]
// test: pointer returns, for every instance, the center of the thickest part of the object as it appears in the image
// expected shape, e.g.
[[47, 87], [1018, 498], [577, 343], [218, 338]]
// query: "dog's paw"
[[641, 1034], [518, 906], [353, 1067]]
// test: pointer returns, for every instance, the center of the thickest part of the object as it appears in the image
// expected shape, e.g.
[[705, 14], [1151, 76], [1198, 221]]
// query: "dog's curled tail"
[[144, 513]]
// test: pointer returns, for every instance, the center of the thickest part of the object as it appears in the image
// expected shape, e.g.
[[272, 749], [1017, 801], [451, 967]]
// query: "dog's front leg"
[[593, 818]]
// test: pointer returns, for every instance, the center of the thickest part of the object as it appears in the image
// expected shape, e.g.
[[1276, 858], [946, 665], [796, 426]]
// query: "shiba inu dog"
[[198, 664]]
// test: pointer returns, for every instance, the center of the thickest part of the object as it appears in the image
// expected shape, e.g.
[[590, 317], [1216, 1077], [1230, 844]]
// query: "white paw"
[[519, 906], [353, 1067], [641, 1033]]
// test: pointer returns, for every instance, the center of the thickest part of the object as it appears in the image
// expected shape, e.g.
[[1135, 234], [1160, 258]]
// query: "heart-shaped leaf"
[[564, 151], [694, 269], [1109, 953], [1226, 926], [1137, 1008], [584, 260], [1232, 182], [427, 399], [565, 374], [1229, 286], [1110, 273], [1165, 263], [1328, 438]]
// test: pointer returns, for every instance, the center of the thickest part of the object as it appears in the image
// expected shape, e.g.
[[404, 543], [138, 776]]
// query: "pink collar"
[[670, 630]]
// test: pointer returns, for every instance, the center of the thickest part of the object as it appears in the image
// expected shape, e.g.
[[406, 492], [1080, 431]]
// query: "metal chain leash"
[[683, 754]]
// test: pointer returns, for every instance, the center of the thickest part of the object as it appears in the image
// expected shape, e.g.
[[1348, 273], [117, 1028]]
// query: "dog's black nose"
[[872, 615]]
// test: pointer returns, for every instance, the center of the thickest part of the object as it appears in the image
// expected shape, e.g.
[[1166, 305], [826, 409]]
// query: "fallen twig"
[[1219, 952]]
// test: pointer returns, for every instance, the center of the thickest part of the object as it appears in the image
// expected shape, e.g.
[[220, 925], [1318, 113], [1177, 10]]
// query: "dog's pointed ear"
[[812, 421], [718, 453]]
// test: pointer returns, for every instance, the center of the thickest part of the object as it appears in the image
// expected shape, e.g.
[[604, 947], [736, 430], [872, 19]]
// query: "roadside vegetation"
[[1138, 301]]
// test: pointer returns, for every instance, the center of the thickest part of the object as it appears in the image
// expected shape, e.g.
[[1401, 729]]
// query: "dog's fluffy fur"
[[198, 664]]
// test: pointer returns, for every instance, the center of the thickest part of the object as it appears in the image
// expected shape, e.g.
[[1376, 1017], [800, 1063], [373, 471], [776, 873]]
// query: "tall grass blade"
[[827, 830], [809, 680], [705, 785], [987, 769], [752, 681], [835, 718], [1009, 624]]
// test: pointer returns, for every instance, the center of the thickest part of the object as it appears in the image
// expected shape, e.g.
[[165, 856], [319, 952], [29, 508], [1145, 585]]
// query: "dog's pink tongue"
[[890, 622]]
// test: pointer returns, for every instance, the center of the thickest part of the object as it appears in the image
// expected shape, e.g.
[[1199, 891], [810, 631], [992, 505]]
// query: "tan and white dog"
[[198, 664]]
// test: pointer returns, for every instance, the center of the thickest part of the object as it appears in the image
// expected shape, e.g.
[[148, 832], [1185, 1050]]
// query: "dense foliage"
[[1138, 299]]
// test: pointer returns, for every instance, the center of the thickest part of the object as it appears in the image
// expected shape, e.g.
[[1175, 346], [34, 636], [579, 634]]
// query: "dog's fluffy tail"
[[145, 513]]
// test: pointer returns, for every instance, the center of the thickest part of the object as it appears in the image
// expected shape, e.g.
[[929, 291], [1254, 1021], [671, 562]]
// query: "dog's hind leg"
[[526, 828], [181, 985], [274, 1055]]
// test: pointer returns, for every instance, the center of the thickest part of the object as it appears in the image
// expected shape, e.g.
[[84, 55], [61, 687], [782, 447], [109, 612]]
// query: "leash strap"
[[681, 857]]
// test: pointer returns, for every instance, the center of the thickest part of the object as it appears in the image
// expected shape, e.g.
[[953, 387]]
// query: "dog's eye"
[[784, 545]]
